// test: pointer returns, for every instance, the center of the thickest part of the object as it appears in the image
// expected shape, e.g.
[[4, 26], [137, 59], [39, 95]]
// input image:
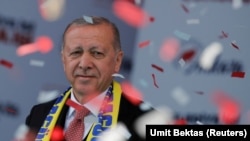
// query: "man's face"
[[89, 58]]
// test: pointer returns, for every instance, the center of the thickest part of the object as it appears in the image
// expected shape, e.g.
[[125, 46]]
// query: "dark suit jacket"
[[128, 113]]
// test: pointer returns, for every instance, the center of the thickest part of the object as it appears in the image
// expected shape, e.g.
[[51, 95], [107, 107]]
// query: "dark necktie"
[[76, 127]]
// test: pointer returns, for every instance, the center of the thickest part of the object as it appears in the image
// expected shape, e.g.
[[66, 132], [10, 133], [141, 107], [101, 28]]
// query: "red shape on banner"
[[238, 74], [130, 13], [6, 63], [157, 67]]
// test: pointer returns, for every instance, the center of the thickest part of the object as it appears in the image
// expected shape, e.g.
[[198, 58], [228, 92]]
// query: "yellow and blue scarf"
[[107, 116]]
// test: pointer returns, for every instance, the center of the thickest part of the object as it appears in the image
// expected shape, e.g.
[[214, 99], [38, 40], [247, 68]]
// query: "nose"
[[85, 62]]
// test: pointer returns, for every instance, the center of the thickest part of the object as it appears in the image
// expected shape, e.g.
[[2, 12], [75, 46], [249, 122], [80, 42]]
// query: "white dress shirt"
[[93, 106]]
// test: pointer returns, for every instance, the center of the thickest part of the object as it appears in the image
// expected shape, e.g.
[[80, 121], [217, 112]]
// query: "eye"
[[98, 54], [75, 53]]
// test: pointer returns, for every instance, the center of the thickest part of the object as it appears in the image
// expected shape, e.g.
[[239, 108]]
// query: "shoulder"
[[130, 111]]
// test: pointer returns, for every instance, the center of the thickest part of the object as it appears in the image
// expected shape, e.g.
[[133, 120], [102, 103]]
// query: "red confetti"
[[224, 35], [188, 55], [71, 103], [229, 109], [229, 112], [57, 134], [234, 45], [43, 44], [6, 63], [238, 74], [157, 67], [130, 13], [133, 94], [144, 44], [169, 49], [155, 84], [184, 8], [151, 19]]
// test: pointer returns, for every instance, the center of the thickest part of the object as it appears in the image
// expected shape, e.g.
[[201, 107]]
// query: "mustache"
[[84, 73]]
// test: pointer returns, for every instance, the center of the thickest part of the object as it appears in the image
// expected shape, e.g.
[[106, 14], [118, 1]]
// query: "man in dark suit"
[[91, 55]]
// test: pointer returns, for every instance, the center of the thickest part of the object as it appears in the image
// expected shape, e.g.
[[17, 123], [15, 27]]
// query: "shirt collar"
[[93, 105]]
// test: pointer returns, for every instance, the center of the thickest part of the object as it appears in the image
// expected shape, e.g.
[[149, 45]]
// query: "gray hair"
[[95, 20]]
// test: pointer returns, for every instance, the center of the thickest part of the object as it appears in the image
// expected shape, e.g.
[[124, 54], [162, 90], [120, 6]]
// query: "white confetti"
[[159, 116], [182, 35], [116, 133], [199, 123], [88, 19], [193, 21], [237, 4], [37, 63], [21, 132], [209, 55], [182, 62], [118, 75], [45, 96], [52, 10], [180, 96]]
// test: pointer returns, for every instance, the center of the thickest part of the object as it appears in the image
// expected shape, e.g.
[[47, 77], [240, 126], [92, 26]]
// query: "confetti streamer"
[[130, 13], [154, 80], [184, 8], [234, 45], [144, 44], [43, 44], [157, 68], [6, 63], [238, 74], [224, 35]]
